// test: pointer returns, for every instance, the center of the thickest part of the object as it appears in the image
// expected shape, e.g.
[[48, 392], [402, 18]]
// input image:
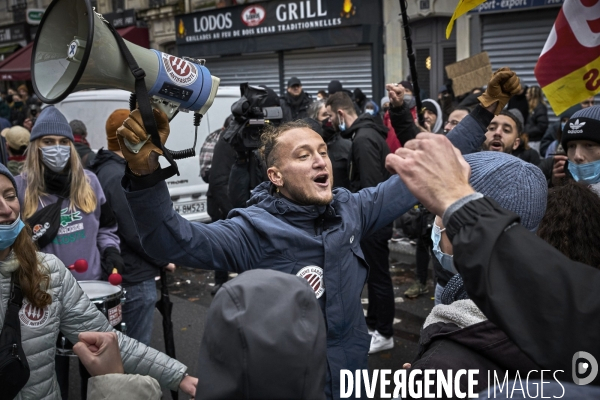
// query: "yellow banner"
[[574, 87], [463, 7]]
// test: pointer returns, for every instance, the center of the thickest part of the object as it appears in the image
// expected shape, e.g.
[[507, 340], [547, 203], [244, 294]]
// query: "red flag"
[[568, 69]]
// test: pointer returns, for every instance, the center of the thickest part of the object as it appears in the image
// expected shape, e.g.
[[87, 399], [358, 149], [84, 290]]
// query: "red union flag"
[[568, 69]]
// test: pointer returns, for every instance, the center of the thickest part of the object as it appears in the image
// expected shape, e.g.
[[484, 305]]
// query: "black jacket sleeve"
[[546, 303], [403, 124], [537, 123], [218, 203]]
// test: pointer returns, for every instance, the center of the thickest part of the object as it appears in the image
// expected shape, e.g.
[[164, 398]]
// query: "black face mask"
[[328, 129], [385, 109]]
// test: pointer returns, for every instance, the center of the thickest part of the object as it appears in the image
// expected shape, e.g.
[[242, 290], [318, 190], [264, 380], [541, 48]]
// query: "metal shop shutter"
[[257, 70], [317, 67], [516, 40]]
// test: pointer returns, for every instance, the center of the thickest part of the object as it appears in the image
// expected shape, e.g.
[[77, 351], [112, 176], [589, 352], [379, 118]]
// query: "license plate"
[[190, 208]]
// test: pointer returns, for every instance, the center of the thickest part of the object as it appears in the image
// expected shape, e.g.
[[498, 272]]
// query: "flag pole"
[[412, 62]]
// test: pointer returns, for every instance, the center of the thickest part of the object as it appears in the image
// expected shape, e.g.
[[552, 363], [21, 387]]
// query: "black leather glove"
[[111, 258]]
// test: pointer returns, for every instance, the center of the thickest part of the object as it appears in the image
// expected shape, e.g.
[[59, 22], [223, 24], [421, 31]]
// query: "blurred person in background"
[[86, 154], [537, 119], [338, 148], [18, 111], [295, 102], [17, 141]]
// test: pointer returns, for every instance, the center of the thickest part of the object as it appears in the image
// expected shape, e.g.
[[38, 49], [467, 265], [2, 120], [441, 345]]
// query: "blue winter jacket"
[[275, 233]]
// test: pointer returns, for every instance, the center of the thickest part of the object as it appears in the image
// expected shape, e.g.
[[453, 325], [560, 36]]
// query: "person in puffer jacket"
[[53, 302]]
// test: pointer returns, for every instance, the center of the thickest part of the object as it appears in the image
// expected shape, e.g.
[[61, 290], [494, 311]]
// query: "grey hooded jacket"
[[71, 312]]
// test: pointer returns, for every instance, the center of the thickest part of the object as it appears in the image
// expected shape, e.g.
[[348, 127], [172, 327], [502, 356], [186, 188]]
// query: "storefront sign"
[[122, 19], [34, 15], [271, 18], [513, 5], [13, 33]]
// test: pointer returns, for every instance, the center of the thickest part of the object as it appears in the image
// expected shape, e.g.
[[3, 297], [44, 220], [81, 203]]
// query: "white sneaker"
[[380, 343]]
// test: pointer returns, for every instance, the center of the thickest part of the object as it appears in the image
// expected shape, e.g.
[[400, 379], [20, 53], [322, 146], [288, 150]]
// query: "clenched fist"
[[503, 85], [145, 161]]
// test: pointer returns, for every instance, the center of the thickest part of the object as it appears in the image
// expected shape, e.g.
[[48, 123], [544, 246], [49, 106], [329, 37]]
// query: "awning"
[[136, 35], [17, 67]]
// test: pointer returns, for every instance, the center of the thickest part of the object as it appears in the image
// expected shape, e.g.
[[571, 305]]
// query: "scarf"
[[58, 184]]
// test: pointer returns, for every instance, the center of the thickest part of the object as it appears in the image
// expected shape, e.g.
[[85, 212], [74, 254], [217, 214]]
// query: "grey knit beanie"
[[51, 122], [4, 171], [516, 185]]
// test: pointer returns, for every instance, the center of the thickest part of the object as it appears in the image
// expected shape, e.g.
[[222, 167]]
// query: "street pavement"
[[190, 294]]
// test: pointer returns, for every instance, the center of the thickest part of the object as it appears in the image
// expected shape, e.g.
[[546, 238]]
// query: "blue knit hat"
[[51, 122], [4, 171], [516, 185]]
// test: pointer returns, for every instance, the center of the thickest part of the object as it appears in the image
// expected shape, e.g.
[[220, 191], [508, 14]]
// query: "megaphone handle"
[[144, 103]]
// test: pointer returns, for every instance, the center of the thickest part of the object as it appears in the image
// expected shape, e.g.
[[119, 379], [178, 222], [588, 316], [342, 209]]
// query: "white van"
[[188, 190]]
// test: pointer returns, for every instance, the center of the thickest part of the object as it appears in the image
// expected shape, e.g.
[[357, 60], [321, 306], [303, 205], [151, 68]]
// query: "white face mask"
[[56, 157]]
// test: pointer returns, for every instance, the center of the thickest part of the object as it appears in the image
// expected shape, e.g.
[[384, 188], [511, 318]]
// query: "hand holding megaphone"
[[145, 160]]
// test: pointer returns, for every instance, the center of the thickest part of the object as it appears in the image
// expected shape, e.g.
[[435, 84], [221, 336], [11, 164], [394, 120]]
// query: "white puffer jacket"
[[71, 312]]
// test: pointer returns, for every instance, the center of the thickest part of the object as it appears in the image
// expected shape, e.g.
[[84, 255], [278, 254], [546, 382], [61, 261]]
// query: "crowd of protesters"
[[323, 203]]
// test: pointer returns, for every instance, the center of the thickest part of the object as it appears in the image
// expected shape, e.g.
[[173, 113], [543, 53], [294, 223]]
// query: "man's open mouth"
[[322, 179]]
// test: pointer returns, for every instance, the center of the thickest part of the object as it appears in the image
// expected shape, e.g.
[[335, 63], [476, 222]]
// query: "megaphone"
[[74, 49]]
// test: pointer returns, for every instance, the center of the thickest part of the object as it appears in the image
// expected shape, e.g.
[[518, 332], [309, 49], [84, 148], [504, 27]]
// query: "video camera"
[[257, 107]]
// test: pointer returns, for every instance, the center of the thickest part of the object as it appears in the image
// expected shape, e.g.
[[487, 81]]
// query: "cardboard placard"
[[470, 73]]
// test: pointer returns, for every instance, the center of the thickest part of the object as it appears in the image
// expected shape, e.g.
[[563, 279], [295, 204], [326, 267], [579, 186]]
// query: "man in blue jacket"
[[294, 223]]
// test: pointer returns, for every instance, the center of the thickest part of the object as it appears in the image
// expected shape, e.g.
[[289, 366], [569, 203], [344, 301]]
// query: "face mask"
[[562, 126], [370, 111], [56, 157], [409, 100], [586, 173], [385, 109], [342, 124], [8, 233], [18, 104], [446, 260]]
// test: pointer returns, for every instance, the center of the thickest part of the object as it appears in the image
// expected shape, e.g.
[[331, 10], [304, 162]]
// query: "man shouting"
[[294, 222]]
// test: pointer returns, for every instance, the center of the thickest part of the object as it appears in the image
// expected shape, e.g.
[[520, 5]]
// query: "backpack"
[[206, 153]]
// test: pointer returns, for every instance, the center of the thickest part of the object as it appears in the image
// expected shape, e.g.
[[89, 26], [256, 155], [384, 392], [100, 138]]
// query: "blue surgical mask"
[[8, 233], [342, 124], [586, 173], [562, 126], [370, 111], [56, 157], [446, 260]]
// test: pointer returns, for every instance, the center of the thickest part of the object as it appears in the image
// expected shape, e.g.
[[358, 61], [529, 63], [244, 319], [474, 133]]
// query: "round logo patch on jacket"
[[314, 276], [32, 316]]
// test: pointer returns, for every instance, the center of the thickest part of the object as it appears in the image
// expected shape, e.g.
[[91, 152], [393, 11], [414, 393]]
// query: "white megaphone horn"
[[74, 49]]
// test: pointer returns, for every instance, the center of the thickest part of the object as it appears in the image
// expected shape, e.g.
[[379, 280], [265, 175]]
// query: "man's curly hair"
[[572, 222], [269, 141]]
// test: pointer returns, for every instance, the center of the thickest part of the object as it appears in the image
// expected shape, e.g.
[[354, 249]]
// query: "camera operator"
[[258, 106]]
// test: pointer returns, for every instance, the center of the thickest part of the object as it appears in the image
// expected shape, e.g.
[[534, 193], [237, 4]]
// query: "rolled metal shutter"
[[317, 67], [516, 40], [257, 70]]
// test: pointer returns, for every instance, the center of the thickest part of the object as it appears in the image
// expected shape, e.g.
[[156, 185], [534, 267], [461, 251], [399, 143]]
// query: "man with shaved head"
[[295, 222]]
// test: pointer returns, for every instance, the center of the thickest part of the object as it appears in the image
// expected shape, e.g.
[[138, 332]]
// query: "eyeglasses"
[[453, 122]]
